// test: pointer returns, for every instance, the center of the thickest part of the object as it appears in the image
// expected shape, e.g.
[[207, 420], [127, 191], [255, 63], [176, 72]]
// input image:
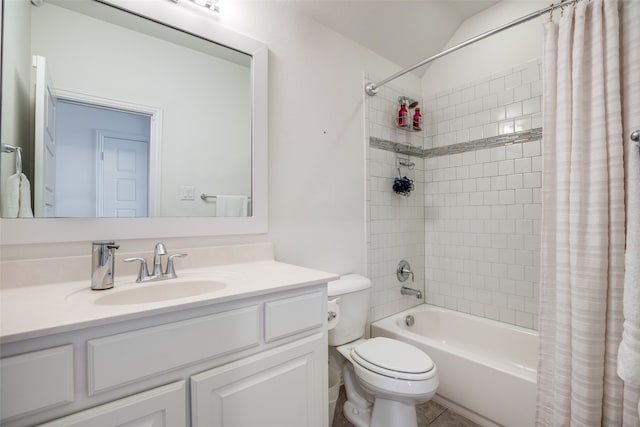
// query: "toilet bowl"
[[395, 370], [384, 378]]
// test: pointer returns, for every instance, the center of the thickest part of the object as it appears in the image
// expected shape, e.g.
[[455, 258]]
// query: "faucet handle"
[[170, 273], [143, 273], [404, 271]]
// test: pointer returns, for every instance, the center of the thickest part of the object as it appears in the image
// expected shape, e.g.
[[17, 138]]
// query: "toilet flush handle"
[[332, 314]]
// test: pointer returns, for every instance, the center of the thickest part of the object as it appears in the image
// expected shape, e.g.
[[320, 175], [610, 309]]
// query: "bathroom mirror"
[[196, 112]]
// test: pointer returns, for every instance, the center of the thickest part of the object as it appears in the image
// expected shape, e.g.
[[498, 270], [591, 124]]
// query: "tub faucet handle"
[[404, 271]]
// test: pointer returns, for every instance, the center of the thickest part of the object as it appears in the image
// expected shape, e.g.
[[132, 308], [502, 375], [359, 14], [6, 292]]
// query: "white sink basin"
[[159, 291], [144, 293]]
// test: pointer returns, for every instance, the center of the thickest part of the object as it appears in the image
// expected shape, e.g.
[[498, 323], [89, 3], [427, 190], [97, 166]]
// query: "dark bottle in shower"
[[417, 117], [402, 115]]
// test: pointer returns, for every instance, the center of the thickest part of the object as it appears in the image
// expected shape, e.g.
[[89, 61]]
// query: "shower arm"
[[372, 88]]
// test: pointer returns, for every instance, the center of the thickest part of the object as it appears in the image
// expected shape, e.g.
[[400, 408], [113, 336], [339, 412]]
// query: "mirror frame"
[[188, 17]]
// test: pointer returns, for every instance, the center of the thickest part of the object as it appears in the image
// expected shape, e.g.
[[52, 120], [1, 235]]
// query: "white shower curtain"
[[583, 222]]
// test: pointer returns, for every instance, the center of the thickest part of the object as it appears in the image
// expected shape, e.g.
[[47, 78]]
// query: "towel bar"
[[6, 148], [204, 197]]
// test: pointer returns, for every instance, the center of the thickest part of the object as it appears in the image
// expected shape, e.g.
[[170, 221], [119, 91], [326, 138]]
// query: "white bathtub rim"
[[507, 367], [474, 317], [517, 371]]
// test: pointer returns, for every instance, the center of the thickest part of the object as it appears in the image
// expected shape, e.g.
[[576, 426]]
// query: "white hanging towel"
[[11, 196], [25, 198], [16, 197], [629, 351], [227, 205]]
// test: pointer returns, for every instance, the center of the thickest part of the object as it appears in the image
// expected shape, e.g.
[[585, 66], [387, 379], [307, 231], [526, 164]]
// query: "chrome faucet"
[[412, 292], [402, 273], [159, 251], [102, 264]]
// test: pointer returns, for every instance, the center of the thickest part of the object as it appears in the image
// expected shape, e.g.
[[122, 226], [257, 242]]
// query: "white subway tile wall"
[[500, 104], [396, 224], [483, 232], [471, 227], [483, 207]]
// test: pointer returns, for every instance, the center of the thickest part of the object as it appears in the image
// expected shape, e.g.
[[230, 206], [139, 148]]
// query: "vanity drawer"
[[131, 356], [35, 381], [290, 316]]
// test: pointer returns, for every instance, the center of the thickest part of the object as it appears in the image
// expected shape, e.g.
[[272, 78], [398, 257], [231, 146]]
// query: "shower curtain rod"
[[372, 88]]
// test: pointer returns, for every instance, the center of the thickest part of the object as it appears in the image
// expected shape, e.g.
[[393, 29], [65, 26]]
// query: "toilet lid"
[[393, 358]]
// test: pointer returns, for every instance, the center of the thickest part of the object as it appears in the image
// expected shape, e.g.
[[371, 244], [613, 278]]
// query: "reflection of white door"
[[44, 176], [123, 162]]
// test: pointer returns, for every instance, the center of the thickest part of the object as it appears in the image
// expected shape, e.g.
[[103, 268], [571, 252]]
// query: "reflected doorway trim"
[[155, 135]]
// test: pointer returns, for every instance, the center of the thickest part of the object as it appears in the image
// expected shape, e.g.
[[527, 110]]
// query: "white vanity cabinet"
[[259, 360], [280, 387], [160, 407]]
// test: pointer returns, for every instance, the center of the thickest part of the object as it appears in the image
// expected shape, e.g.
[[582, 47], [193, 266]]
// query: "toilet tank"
[[352, 293]]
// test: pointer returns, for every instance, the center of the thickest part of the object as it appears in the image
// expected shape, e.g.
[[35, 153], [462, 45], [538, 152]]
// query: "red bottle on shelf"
[[402, 115], [417, 116]]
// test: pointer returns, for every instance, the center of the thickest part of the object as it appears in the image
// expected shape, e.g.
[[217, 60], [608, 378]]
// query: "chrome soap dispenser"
[[102, 264]]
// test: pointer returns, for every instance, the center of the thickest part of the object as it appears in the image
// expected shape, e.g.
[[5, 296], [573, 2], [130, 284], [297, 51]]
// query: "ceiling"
[[405, 32]]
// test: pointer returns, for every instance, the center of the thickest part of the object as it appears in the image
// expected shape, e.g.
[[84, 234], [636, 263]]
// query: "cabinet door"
[[36, 381], [160, 407], [284, 387]]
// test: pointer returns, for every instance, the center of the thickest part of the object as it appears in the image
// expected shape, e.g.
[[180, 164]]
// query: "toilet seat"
[[393, 359]]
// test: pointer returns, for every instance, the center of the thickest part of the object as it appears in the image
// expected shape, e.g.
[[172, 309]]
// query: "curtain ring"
[[551, 13]]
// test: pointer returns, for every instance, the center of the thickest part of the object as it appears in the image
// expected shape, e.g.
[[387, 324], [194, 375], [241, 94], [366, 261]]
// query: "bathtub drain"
[[409, 320]]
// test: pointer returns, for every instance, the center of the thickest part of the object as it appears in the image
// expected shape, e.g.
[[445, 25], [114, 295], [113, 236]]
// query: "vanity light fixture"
[[209, 4]]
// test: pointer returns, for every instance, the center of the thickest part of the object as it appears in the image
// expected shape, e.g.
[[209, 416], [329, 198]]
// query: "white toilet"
[[384, 378]]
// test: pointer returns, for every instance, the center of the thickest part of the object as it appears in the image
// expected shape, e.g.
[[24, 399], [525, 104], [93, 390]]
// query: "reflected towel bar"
[[6, 148], [205, 197]]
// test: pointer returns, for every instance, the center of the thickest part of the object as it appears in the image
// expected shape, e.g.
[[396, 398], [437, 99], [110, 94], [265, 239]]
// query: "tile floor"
[[429, 414]]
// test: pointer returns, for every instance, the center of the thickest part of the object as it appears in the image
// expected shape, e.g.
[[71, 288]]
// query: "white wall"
[[495, 54], [16, 72], [316, 139], [316, 143]]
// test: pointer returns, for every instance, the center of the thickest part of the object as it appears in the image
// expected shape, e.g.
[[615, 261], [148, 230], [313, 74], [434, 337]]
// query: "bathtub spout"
[[410, 291]]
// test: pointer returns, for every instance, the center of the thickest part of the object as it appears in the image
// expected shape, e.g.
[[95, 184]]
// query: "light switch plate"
[[187, 193]]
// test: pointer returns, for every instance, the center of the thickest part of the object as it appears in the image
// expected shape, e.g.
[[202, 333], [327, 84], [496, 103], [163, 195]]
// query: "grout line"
[[439, 415]]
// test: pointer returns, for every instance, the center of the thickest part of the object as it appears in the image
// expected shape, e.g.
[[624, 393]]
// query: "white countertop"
[[40, 310]]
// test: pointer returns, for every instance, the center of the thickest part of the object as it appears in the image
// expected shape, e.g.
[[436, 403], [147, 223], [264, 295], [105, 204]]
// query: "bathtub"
[[487, 369]]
